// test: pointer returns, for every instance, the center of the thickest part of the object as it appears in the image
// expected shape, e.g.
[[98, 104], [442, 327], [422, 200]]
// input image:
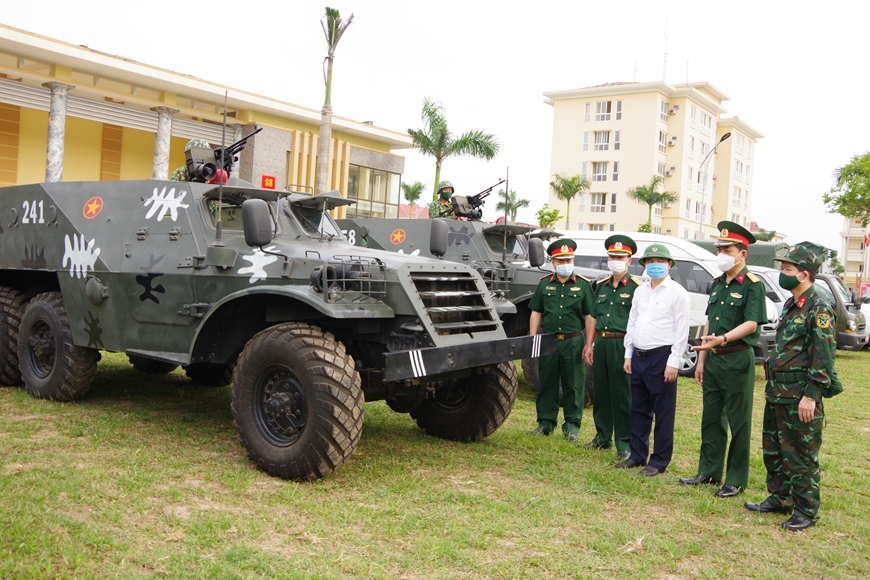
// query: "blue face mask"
[[656, 270], [564, 269]]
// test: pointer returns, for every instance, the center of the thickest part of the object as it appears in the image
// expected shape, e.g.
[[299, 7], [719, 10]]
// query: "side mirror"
[[536, 252], [438, 238], [257, 222]]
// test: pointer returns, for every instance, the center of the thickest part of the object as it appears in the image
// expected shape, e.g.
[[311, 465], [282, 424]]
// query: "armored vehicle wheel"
[[12, 303], [297, 402], [51, 365], [209, 375], [470, 408], [150, 366]]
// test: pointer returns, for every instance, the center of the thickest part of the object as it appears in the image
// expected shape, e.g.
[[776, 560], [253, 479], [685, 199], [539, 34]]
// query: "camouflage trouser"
[[791, 456]]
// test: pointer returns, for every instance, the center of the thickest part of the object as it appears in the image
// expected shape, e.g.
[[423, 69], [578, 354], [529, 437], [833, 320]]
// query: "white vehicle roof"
[[592, 243]]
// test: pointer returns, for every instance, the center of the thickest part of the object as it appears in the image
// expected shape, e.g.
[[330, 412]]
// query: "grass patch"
[[145, 479]]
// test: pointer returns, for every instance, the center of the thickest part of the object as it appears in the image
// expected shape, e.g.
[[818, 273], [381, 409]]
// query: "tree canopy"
[[850, 196], [412, 192], [510, 203], [436, 140], [566, 188], [548, 217], [649, 194]]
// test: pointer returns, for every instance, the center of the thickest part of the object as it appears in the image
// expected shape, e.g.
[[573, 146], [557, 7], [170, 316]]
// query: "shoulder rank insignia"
[[546, 276], [625, 295], [736, 295], [802, 301], [637, 280], [753, 278], [584, 278], [823, 320]]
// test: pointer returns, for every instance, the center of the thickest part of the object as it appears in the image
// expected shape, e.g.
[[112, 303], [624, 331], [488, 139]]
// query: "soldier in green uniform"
[[604, 351], [442, 207], [735, 312], [180, 173], [558, 306], [800, 372]]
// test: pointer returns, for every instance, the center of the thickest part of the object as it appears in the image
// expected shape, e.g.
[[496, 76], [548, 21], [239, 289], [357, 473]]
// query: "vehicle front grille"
[[454, 303]]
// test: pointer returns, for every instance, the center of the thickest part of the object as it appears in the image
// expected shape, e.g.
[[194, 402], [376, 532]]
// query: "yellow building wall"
[[82, 151], [10, 118], [32, 143], [137, 154]]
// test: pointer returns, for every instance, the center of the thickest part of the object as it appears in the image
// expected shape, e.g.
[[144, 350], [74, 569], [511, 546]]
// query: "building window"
[[693, 114], [612, 203], [583, 168], [657, 209], [738, 167], [616, 139], [703, 149], [619, 110], [616, 171], [735, 196], [581, 202], [663, 111], [739, 140], [706, 124], [602, 140], [602, 111], [661, 170], [657, 229], [688, 211], [612, 227], [686, 233], [377, 192], [748, 149], [585, 140], [690, 172], [746, 173], [699, 214], [663, 142], [735, 218], [586, 115], [691, 147], [597, 202], [596, 227], [745, 199], [599, 171], [744, 221]]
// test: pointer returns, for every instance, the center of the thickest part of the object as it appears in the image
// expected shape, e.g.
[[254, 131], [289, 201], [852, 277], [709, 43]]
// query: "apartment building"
[[855, 256], [618, 135]]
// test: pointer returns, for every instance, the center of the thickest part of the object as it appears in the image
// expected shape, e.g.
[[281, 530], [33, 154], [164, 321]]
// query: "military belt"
[[611, 334], [727, 349], [788, 376], [567, 336], [653, 351]]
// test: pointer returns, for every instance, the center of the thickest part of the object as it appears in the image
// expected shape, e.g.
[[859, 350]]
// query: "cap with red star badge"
[[731, 233], [620, 245], [562, 248]]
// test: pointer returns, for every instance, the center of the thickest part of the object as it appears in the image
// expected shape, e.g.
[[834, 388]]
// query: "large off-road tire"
[[297, 402], [150, 366], [12, 304], [209, 375], [470, 408], [51, 365], [532, 376]]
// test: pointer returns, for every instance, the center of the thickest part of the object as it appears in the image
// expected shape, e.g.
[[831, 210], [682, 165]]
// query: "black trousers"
[[652, 396]]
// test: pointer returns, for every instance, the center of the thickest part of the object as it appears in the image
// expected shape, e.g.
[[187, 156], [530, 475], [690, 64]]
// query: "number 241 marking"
[[29, 215]]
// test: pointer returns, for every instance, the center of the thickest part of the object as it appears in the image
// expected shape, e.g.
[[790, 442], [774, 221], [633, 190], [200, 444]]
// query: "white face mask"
[[725, 262], [616, 267]]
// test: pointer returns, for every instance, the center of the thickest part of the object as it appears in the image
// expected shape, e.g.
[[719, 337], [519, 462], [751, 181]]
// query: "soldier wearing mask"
[[800, 372], [604, 351], [735, 312], [442, 207]]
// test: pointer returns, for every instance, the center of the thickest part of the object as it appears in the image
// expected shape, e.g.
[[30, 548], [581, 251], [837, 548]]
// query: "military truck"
[[260, 287]]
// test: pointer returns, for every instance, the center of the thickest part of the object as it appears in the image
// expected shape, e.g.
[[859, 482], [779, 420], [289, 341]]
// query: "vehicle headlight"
[[851, 326]]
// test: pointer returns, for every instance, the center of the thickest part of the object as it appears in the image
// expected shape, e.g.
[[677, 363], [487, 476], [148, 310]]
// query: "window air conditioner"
[[676, 107], [671, 143], [673, 167], [672, 112], [668, 173], [667, 232], [674, 137], [666, 205]]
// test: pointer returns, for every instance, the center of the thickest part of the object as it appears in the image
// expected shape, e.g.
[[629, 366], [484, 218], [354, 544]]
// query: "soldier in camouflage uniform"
[[800, 369], [605, 329], [180, 173], [441, 207], [558, 306]]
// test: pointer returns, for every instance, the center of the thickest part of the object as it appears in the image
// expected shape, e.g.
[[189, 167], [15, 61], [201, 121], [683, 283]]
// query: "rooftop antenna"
[[218, 227], [634, 78], [506, 198]]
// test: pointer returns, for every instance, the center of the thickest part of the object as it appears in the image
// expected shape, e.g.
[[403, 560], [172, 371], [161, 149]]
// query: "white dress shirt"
[[659, 316]]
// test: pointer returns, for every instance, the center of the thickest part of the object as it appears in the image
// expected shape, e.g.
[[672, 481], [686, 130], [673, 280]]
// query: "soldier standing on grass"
[[801, 369], [735, 312], [604, 351], [558, 306]]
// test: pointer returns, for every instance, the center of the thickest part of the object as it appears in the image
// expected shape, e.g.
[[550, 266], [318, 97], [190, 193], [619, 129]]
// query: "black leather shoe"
[[797, 523], [728, 490], [623, 455], [650, 471], [628, 464], [698, 480], [768, 506]]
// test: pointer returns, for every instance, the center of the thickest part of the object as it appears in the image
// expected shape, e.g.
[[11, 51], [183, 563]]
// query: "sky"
[[791, 68]]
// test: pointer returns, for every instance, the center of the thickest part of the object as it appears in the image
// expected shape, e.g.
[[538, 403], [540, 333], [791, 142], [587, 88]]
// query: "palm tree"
[[510, 204], [436, 140], [650, 195], [412, 192], [566, 188], [333, 29]]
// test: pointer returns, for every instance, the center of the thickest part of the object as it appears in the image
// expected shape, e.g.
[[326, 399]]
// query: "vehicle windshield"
[[514, 245], [315, 221], [841, 289], [823, 288], [231, 214]]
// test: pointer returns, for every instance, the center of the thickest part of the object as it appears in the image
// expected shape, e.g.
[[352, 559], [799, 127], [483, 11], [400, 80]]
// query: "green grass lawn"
[[145, 479]]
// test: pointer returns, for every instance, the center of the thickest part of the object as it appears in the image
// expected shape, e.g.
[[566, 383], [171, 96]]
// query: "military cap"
[[731, 233], [197, 143], [803, 257], [656, 251], [620, 245], [562, 248]]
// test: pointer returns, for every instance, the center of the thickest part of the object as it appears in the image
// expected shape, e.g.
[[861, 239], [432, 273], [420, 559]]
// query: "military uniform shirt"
[[611, 306], [564, 306], [804, 342], [733, 303], [437, 209]]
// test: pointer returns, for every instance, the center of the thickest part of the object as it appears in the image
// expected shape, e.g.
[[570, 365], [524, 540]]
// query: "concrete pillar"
[[56, 130], [161, 141], [237, 135]]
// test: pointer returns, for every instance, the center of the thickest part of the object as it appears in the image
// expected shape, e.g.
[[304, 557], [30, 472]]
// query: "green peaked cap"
[[657, 251]]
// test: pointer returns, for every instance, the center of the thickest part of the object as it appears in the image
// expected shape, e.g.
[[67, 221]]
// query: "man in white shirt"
[[655, 340]]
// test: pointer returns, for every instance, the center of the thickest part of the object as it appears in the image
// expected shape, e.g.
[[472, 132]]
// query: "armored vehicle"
[[255, 286]]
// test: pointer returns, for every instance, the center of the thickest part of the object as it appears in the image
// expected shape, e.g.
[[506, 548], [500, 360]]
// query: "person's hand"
[[708, 342], [670, 374], [806, 409], [699, 373], [587, 354], [626, 366]]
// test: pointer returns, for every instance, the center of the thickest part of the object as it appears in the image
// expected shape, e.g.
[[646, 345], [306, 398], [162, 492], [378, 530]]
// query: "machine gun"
[[202, 162], [471, 206]]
